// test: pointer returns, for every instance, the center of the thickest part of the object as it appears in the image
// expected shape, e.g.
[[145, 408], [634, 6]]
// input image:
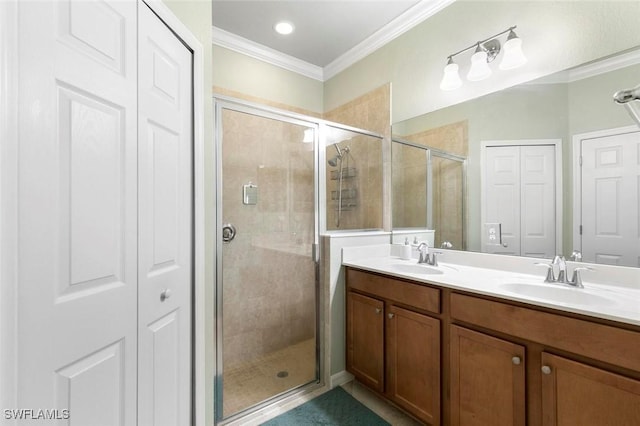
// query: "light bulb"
[[479, 67], [284, 27], [451, 78], [513, 56]]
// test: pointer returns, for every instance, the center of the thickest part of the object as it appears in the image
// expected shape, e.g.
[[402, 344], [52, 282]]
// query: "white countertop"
[[607, 301]]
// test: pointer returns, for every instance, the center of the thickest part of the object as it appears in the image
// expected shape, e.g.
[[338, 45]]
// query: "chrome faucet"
[[425, 256], [561, 263], [562, 268]]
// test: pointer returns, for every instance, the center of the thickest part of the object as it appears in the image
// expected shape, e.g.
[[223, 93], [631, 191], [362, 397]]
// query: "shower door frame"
[[435, 152], [222, 103]]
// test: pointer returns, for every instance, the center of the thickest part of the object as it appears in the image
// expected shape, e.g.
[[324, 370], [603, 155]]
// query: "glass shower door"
[[267, 292]]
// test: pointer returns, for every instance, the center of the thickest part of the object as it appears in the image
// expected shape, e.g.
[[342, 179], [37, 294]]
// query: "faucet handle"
[[576, 279], [550, 278], [434, 257]]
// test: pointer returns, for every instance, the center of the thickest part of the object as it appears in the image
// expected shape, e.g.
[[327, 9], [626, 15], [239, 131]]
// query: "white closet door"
[[538, 201], [520, 194], [502, 197], [78, 210], [165, 225], [610, 199]]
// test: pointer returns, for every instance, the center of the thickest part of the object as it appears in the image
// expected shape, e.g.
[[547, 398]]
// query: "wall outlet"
[[493, 233]]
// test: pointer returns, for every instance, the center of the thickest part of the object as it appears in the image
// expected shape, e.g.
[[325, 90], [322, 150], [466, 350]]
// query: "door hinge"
[[580, 229], [580, 160]]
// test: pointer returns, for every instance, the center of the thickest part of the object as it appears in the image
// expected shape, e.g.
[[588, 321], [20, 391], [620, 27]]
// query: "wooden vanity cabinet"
[[392, 347], [560, 390], [413, 362], [574, 393], [501, 362], [365, 340], [487, 380]]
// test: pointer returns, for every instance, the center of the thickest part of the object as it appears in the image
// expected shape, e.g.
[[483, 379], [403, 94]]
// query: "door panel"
[[77, 309], [538, 204], [487, 386], [267, 288], [413, 362], [502, 197], [574, 393], [610, 199], [165, 236], [365, 340]]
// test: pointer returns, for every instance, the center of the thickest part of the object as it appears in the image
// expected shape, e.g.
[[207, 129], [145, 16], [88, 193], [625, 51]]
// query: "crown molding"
[[606, 65], [255, 50], [401, 24], [592, 69]]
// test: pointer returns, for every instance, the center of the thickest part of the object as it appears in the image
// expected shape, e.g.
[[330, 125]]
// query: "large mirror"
[[553, 166]]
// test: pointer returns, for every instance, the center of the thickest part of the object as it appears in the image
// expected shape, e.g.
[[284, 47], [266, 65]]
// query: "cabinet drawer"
[[416, 295], [601, 342]]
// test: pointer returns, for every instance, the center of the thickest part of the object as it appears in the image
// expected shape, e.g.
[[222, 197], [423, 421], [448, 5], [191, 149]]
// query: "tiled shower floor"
[[251, 382]]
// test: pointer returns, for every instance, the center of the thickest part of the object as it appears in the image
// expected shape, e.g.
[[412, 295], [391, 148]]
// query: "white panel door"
[[502, 197], [165, 225], [520, 194], [610, 199], [77, 309], [538, 201]]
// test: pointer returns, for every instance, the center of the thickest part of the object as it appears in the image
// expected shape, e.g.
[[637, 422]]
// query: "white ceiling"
[[329, 35]]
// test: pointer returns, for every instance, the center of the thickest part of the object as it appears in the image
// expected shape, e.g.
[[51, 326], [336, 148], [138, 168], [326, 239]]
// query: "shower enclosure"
[[266, 265], [269, 198], [429, 191]]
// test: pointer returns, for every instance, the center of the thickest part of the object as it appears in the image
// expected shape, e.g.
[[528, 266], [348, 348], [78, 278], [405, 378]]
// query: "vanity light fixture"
[[485, 52], [284, 27]]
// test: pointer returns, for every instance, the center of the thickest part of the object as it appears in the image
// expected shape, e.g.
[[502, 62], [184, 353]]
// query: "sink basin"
[[555, 293], [414, 268]]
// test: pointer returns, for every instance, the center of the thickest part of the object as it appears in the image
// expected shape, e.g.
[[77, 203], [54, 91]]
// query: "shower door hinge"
[[314, 252], [580, 229], [580, 160]]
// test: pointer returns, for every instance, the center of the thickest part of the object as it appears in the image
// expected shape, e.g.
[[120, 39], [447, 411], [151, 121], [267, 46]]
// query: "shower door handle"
[[228, 232]]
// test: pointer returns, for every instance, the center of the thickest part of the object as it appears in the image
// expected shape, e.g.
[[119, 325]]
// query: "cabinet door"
[[413, 362], [487, 380], [365, 340], [577, 394]]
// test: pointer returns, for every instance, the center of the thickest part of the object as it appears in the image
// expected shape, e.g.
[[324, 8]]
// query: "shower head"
[[333, 161]]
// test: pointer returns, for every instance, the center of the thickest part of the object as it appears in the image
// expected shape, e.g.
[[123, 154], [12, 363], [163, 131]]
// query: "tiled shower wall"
[[269, 278]]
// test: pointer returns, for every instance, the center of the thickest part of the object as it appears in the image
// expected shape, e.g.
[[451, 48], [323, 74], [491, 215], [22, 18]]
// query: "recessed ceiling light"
[[284, 27]]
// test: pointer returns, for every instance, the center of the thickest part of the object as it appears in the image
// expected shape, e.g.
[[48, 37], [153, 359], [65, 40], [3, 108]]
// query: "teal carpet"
[[336, 408]]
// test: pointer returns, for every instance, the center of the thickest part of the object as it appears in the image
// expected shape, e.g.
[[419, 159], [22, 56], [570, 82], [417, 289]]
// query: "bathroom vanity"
[[450, 354]]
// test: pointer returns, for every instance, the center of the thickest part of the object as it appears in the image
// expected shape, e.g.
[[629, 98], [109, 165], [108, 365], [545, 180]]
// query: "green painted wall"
[[241, 73], [556, 35]]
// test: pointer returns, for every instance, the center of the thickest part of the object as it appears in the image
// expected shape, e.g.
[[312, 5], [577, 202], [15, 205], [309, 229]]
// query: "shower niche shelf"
[[347, 172], [347, 194]]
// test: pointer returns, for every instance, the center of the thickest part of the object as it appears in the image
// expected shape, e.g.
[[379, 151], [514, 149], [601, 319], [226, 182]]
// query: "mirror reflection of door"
[[519, 198], [610, 174]]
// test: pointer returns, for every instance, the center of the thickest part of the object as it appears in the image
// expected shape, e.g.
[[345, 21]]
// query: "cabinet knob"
[[391, 316], [378, 310], [546, 369], [516, 360]]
